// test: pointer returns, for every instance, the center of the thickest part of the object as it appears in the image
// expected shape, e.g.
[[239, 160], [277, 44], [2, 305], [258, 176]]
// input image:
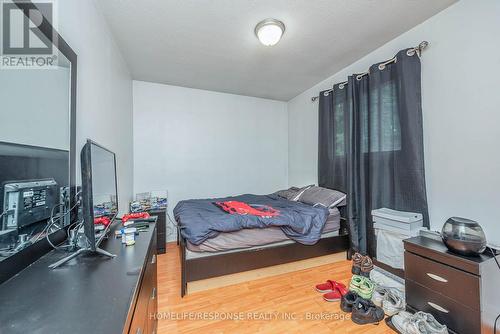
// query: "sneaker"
[[366, 289], [365, 312], [355, 283], [362, 286], [336, 294], [329, 286], [348, 300], [407, 323], [432, 325], [379, 293], [366, 266], [356, 263], [393, 302]]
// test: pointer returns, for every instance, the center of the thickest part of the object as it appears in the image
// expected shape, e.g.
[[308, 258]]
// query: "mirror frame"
[[20, 260]]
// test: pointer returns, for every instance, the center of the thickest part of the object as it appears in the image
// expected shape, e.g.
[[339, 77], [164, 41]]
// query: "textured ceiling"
[[210, 44]]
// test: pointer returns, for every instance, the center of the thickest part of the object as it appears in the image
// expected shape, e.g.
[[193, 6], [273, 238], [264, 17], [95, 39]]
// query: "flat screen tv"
[[99, 198], [99, 190]]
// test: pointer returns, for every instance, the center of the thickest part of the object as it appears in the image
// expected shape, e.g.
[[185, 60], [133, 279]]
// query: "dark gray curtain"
[[371, 144]]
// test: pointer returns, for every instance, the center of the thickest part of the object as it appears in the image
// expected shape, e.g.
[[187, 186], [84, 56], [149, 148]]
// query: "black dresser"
[[89, 294], [461, 292]]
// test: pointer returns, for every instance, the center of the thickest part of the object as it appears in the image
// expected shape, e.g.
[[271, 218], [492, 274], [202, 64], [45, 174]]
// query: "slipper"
[[336, 294], [329, 286]]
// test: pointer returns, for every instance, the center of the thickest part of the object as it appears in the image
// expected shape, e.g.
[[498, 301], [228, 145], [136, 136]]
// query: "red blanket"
[[241, 208]]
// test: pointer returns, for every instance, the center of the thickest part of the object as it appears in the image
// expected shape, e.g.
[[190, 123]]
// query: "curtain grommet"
[[410, 52]]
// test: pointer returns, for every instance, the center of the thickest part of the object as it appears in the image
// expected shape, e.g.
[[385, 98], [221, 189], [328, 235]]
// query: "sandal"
[[336, 294], [329, 286]]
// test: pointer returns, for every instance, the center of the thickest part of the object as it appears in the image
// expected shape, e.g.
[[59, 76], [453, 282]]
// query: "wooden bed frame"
[[235, 262]]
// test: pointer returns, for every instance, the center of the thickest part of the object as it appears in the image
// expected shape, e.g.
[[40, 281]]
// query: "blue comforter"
[[201, 219]]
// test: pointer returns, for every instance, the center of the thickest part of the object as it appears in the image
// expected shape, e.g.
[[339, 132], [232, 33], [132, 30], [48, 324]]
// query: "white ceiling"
[[210, 44]]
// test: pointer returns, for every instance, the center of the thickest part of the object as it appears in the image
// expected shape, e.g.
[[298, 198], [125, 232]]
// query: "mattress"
[[256, 237], [194, 255]]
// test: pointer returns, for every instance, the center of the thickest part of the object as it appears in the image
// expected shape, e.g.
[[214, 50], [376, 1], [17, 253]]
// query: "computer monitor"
[[99, 190], [99, 197]]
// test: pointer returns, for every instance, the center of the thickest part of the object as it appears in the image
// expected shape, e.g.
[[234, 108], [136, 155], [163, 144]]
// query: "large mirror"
[[37, 132]]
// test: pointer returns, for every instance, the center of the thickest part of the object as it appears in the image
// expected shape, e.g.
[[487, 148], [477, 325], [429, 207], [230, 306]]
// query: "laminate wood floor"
[[284, 303]]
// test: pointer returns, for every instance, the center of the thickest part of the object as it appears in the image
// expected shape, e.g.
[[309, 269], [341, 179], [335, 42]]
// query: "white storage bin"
[[390, 248], [391, 228]]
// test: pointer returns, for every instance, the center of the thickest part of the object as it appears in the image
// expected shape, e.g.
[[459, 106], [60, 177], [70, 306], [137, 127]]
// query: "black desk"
[[89, 294]]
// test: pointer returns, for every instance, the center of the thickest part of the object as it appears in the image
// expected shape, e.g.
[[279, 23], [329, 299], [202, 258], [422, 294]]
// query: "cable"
[[171, 231], [53, 222], [70, 226]]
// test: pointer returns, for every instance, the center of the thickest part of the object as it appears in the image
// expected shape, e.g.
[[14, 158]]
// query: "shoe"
[[366, 289], [356, 263], [348, 300], [336, 294], [329, 286], [393, 302], [365, 312], [432, 325], [407, 323], [355, 283], [418, 323], [379, 293], [366, 266], [362, 286]]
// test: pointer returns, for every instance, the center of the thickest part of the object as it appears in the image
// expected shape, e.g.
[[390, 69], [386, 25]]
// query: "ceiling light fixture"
[[269, 31]]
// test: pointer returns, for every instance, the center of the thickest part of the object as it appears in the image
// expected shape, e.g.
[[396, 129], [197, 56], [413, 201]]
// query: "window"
[[381, 127], [379, 117], [339, 128]]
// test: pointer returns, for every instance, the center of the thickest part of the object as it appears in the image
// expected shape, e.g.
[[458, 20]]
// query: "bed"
[[206, 254]]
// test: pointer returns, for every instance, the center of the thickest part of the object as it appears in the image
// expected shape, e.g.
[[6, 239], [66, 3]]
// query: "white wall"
[[104, 97], [460, 101], [203, 144]]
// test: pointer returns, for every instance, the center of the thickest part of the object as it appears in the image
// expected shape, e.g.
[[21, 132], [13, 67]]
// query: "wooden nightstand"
[[461, 292]]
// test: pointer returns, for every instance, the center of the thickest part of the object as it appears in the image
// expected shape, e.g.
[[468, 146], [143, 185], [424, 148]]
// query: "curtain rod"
[[417, 49]]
